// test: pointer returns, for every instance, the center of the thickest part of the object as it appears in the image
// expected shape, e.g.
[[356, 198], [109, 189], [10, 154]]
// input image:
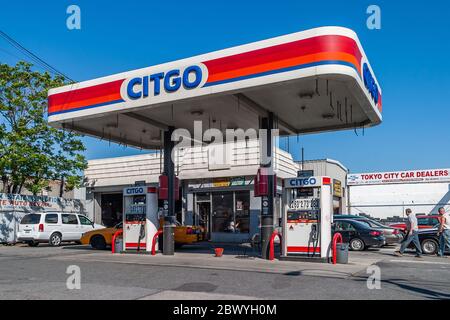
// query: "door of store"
[[204, 214], [112, 207]]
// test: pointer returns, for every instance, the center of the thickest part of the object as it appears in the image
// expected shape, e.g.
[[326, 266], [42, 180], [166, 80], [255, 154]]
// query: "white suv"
[[53, 228]]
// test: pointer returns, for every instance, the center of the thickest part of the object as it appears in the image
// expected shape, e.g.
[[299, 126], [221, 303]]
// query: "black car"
[[392, 235], [429, 240], [359, 235]]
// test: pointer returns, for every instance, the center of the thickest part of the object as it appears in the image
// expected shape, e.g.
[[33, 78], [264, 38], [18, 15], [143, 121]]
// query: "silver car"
[[392, 235]]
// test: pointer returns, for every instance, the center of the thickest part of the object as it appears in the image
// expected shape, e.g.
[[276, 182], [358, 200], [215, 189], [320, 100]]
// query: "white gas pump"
[[140, 217], [307, 217]]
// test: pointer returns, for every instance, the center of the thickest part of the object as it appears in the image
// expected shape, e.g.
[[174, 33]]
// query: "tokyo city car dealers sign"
[[412, 176]]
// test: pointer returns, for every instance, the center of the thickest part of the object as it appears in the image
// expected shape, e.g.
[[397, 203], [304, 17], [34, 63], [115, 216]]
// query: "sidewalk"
[[232, 262]]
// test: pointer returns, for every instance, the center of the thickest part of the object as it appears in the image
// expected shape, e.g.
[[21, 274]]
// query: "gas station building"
[[306, 82], [211, 196]]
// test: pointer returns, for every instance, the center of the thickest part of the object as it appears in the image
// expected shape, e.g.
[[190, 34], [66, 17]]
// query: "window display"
[[242, 213], [222, 213], [231, 212]]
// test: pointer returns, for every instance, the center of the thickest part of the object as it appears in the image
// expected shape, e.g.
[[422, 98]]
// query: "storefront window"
[[231, 212], [222, 213], [242, 215]]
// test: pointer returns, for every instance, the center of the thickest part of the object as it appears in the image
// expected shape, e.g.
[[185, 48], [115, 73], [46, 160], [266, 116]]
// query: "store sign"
[[337, 188], [19, 202], [221, 183], [412, 176], [237, 181]]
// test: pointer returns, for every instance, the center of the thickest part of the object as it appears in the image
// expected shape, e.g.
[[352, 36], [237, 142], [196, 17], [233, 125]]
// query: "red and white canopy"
[[315, 80]]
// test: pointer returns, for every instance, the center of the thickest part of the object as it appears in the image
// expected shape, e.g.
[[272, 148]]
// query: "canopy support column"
[[169, 204], [266, 162]]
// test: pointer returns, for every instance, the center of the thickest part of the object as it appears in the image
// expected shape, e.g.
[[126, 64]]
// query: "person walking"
[[444, 231], [412, 235]]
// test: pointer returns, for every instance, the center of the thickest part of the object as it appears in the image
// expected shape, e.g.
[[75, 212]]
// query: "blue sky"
[[409, 56]]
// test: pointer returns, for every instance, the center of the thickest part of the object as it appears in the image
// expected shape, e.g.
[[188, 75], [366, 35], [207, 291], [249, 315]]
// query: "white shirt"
[[412, 223], [446, 225]]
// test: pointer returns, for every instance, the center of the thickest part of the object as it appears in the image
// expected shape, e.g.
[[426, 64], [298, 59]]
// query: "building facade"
[[386, 195], [215, 194]]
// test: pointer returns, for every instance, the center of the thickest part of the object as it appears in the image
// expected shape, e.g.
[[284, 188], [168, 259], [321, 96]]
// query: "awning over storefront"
[[313, 81]]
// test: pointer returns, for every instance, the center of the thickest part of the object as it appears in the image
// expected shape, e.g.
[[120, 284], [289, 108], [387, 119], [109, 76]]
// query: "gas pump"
[[307, 217], [140, 217]]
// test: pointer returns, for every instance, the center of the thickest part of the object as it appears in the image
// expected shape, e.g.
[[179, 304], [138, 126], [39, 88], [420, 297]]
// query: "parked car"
[[429, 240], [392, 235], [423, 221], [359, 235], [53, 228], [100, 239]]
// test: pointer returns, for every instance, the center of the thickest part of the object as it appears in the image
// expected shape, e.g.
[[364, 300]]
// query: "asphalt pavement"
[[41, 273]]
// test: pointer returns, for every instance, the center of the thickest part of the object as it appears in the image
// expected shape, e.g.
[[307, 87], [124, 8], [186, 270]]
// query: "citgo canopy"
[[313, 81]]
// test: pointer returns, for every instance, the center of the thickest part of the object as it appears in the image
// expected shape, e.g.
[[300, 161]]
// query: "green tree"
[[31, 152]]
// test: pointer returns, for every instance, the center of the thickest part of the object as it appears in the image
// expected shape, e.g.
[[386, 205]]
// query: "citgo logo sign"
[[303, 182], [170, 81], [134, 191], [370, 83]]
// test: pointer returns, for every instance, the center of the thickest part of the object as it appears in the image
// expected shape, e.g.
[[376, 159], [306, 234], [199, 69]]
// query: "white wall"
[[123, 171], [383, 201], [193, 163]]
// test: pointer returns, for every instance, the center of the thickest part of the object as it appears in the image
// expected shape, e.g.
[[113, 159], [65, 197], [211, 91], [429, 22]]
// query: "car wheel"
[[33, 243], [98, 242], [429, 246], [357, 244], [55, 239]]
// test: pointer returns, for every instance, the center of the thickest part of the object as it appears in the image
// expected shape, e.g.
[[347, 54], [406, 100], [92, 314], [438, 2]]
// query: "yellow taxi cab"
[[186, 234], [101, 238]]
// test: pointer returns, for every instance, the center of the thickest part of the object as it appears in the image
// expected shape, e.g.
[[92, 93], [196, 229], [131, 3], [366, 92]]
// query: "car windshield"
[[359, 224], [376, 224], [31, 219], [366, 222]]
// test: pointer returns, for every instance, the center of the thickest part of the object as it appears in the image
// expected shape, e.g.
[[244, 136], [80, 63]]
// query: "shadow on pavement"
[[402, 284], [235, 249], [82, 247], [241, 251], [428, 293]]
